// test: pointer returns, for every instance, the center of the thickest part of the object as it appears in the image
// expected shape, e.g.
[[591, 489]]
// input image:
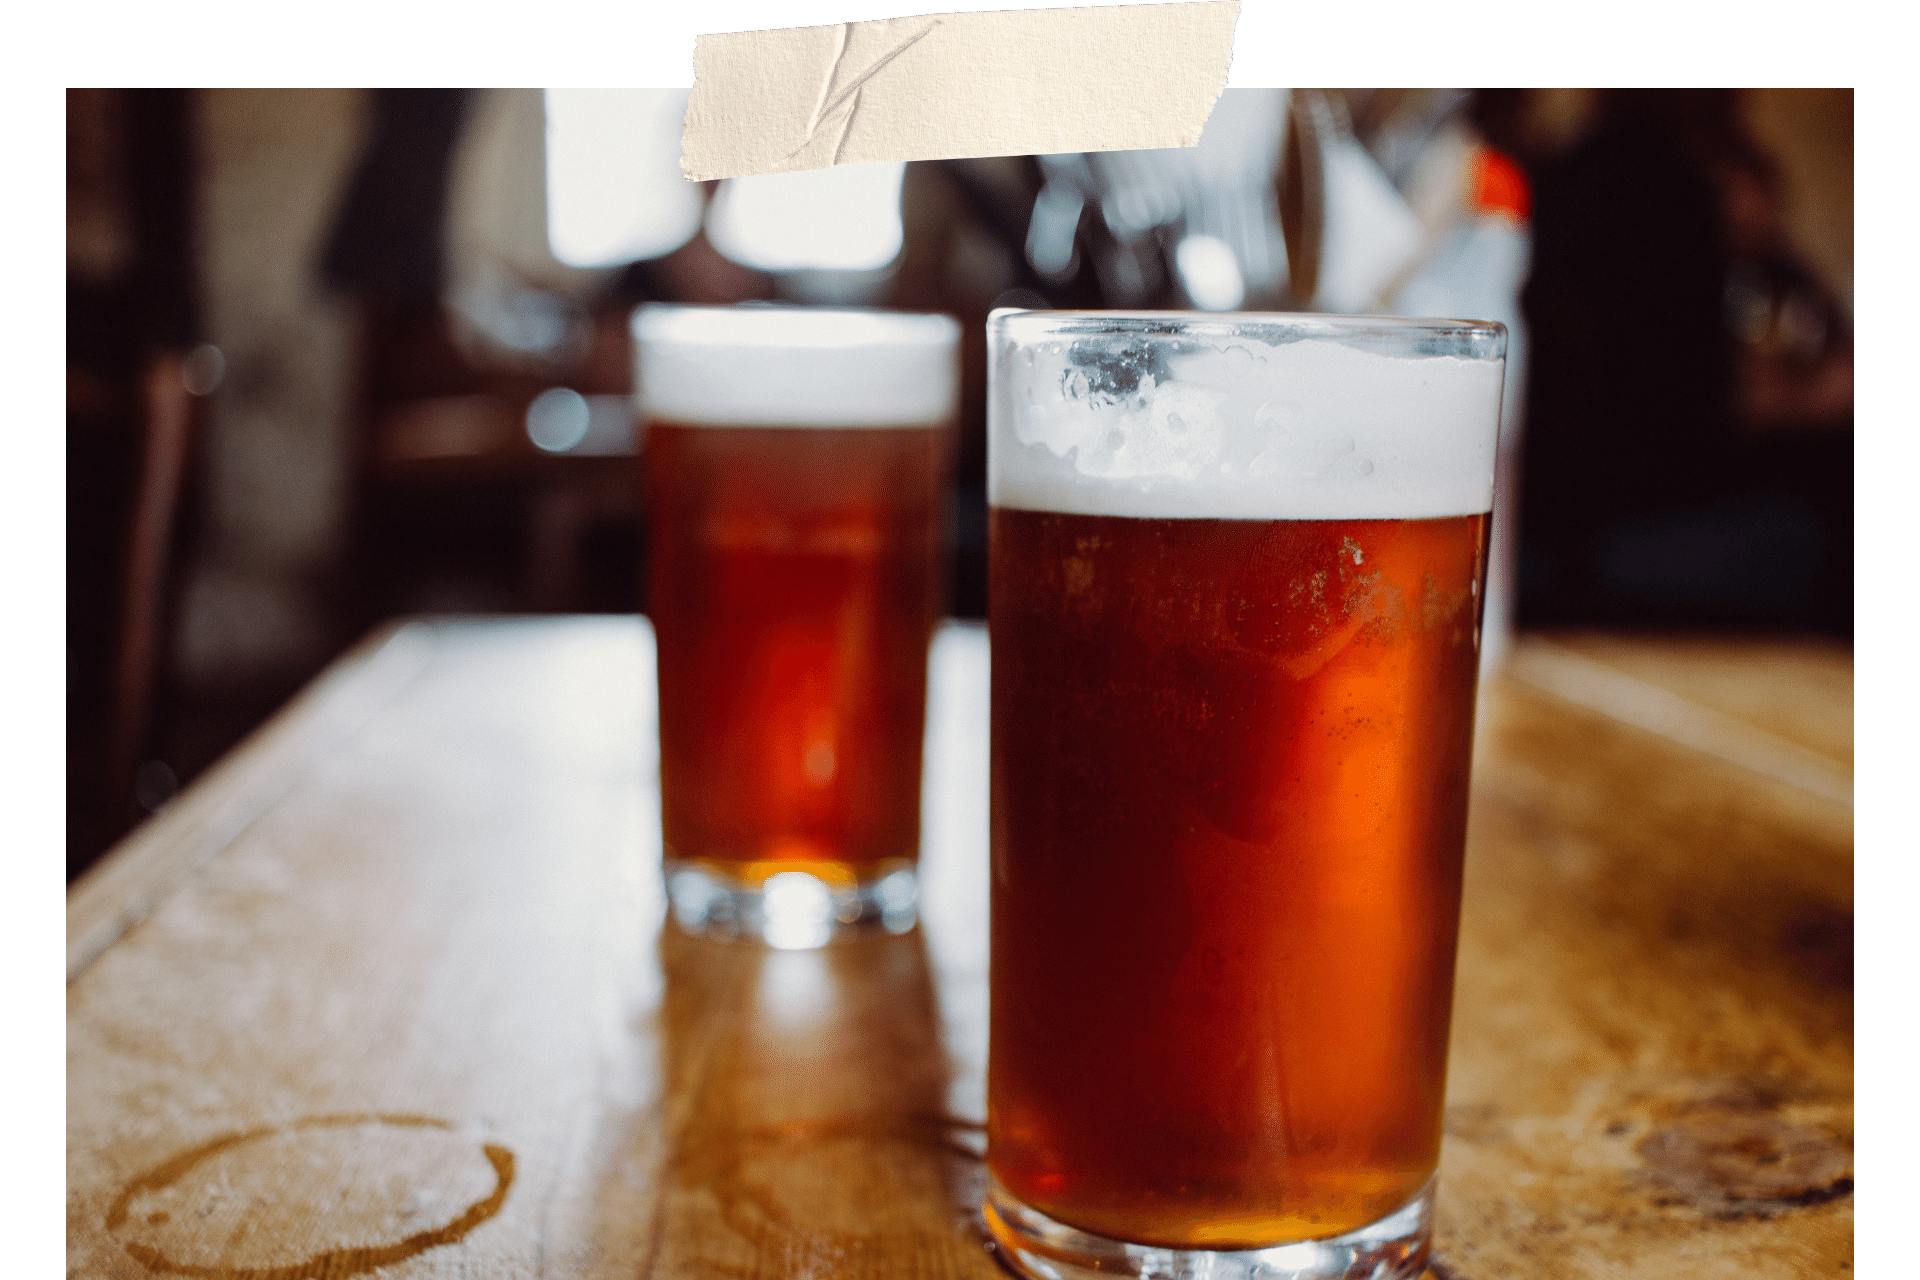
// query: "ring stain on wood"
[[1732, 1162], [1740, 1165], [339, 1262]]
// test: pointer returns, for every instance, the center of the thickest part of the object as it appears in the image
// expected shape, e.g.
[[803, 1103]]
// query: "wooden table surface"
[[388, 991]]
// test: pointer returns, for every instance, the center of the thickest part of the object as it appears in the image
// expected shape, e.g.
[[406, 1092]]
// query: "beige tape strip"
[[956, 84]]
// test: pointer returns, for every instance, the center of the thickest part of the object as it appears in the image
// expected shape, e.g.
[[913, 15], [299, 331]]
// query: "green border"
[[600, 43]]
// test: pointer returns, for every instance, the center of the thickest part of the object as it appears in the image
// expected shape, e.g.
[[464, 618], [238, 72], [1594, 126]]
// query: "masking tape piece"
[[955, 84]]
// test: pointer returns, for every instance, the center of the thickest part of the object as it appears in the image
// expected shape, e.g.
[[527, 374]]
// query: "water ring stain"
[[351, 1261], [1745, 1162]]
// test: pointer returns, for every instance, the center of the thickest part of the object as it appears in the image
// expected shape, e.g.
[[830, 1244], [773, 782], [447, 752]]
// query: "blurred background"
[[339, 355]]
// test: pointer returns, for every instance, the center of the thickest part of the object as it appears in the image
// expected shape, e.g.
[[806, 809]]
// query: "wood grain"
[[389, 993], [1652, 1068]]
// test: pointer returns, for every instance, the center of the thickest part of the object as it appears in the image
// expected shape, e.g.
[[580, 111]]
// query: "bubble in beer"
[[819, 763]]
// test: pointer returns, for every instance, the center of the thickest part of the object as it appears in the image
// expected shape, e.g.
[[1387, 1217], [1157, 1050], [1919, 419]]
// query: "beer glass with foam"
[[796, 463], [1237, 565]]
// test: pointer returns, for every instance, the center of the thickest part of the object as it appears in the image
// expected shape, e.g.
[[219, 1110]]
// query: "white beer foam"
[[1305, 430], [794, 366]]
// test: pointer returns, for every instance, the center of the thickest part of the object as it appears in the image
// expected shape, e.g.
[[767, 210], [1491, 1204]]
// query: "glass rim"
[[1482, 339]]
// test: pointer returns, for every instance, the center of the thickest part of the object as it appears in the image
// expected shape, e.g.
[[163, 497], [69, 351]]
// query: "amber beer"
[[1232, 719], [796, 483]]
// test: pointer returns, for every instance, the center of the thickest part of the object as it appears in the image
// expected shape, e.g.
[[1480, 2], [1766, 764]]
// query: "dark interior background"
[[283, 427]]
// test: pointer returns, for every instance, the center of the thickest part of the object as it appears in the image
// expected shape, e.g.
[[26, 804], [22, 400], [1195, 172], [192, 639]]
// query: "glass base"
[[792, 910], [1036, 1246]]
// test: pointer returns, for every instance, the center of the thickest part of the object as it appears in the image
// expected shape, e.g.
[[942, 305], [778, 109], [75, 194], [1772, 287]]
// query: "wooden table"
[[388, 990]]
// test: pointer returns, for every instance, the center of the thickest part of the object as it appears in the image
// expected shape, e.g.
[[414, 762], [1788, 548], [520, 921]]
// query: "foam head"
[[1244, 417], [794, 366]]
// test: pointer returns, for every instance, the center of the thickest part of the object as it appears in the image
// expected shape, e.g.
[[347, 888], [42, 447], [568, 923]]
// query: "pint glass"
[[796, 464], [1237, 568]]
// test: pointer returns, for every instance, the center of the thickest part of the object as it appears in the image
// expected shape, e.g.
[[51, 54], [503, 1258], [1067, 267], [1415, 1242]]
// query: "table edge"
[[157, 857]]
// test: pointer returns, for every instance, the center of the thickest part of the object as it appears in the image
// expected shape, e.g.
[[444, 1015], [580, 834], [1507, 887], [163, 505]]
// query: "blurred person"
[[1650, 496]]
